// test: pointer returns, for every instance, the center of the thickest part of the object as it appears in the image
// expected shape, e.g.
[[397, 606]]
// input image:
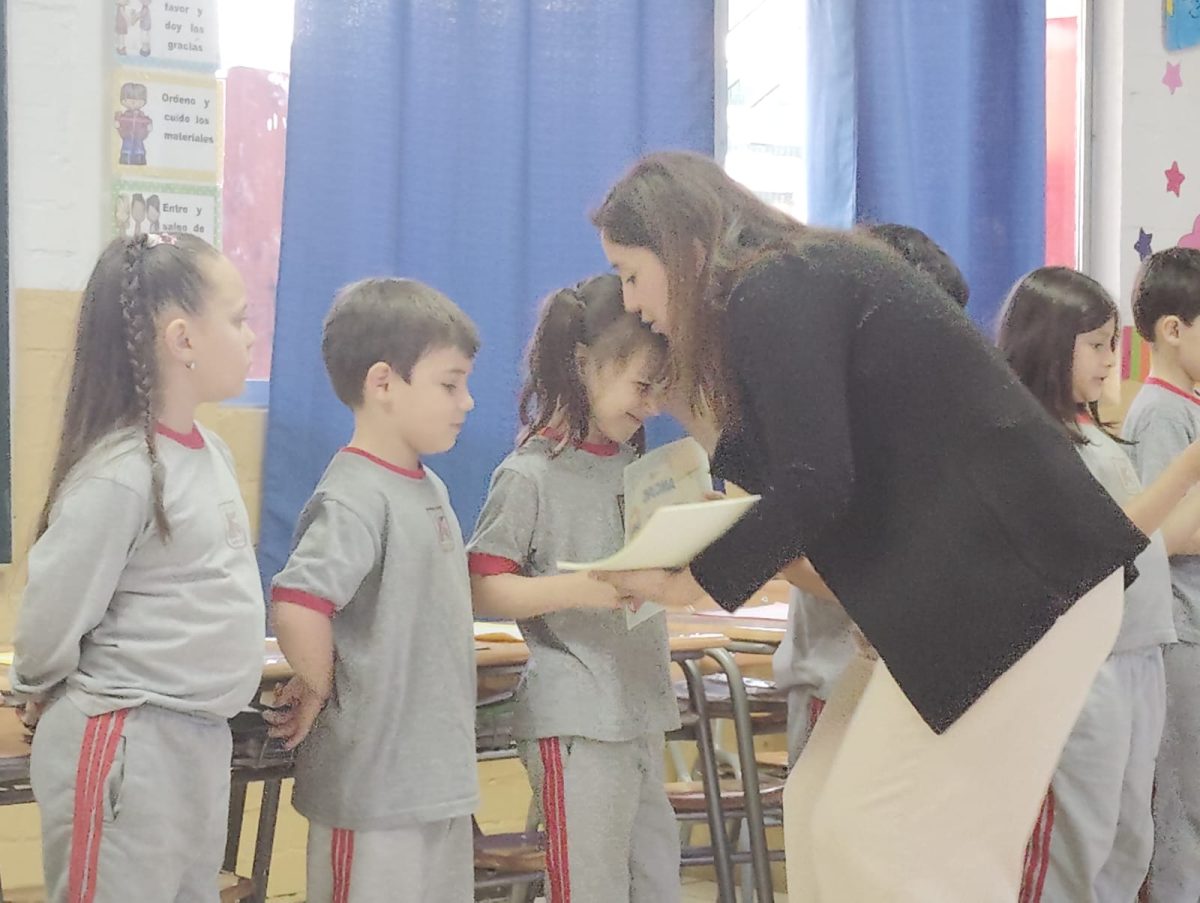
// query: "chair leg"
[[745, 744], [712, 788]]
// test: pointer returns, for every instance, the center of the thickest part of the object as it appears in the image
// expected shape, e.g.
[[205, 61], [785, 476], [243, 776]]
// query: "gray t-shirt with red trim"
[[589, 675], [1161, 422], [115, 615], [1147, 619], [379, 550]]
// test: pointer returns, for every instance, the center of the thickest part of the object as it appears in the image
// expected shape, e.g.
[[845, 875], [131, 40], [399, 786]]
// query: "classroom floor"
[[695, 890]]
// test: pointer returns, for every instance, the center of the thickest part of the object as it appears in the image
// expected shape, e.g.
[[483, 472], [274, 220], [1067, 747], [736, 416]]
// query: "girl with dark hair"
[[1095, 835], [900, 458], [595, 703], [140, 630]]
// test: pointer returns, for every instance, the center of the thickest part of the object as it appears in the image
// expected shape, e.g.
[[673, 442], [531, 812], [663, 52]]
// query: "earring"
[[191, 365]]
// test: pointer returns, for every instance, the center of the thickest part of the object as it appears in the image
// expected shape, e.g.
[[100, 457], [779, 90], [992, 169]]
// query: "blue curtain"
[[463, 144], [937, 107]]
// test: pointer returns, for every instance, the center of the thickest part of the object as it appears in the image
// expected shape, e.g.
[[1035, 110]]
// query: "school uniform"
[[596, 697], [387, 776], [817, 647], [1161, 422], [1094, 837], [896, 450], [145, 646]]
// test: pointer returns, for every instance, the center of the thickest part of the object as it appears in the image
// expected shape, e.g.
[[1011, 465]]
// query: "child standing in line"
[[1094, 836], [373, 611], [596, 699], [1162, 422], [141, 628]]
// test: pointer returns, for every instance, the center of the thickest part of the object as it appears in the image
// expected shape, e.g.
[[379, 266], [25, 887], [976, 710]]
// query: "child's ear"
[[378, 380], [177, 342], [1167, 329]]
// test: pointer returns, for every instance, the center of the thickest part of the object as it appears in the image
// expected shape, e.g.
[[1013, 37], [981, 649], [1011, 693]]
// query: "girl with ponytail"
[[141, 627], [596, 700]]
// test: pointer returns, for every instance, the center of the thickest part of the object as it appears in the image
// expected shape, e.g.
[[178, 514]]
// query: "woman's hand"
[[671, 589]]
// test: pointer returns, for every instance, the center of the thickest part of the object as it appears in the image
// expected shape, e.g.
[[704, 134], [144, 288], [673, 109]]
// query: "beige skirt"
[[880, 809]]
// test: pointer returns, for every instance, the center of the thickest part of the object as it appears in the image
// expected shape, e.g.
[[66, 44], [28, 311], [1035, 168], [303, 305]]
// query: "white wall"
[[1139, 128], [58, 72]]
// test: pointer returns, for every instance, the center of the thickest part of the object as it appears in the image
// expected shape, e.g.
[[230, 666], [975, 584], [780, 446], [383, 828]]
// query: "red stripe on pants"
[[554, 810], [96, 755]]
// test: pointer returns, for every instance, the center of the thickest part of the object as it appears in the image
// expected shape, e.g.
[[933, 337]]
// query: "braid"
[[139, 344]]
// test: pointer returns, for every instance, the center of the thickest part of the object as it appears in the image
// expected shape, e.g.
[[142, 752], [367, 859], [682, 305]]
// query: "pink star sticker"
[[1174, 178], [1173, 79]]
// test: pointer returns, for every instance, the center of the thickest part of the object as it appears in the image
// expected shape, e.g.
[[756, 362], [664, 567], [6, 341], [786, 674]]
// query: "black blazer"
[[896, 449]]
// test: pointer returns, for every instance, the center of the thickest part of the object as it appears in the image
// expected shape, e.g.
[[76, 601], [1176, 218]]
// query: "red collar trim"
[[418, 474], [1162, 384], [194, 439], [601, 449]]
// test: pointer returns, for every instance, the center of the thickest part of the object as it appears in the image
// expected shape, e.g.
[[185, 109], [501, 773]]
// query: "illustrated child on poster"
[[143, 19], [133, 125], [137, 213], [122, 26], [121, 215], [153, 209]]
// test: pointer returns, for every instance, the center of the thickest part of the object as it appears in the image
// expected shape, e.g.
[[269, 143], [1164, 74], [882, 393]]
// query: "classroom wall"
[[1141, 128], [60, 216]]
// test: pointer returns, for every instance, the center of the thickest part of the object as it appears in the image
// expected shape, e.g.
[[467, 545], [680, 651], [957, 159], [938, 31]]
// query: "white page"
[[672, 537], [672, 474]]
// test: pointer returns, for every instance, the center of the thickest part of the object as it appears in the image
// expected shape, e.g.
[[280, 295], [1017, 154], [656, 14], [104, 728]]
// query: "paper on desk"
[[498, 632]]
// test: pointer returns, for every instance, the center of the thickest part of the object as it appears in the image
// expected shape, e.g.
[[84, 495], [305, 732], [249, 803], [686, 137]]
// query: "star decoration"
[[1172, 79], [1174, 178], [1143, 244]]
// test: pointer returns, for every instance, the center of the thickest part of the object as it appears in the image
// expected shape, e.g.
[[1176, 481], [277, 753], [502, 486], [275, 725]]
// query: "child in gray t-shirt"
[[373, 611], [140, 632], [596, 698], [1163, 420]]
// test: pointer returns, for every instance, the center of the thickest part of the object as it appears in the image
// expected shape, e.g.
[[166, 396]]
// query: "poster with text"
[[147, 207], [167, 33], [166, 125]]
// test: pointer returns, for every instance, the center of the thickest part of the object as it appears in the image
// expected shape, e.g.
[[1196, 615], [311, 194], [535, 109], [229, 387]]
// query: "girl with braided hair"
[[141, 628]]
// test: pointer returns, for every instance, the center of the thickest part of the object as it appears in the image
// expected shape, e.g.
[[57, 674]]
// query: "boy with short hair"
[[1162, 421], [373, 611]]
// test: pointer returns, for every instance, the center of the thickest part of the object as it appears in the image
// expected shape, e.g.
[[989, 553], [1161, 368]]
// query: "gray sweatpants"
[[809, 662], [1175, 868], [611, 834], [431, 862], [134, 804], [1097, 817]]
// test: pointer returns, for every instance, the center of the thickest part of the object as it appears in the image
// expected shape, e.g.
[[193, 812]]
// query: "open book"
[[668, 522]]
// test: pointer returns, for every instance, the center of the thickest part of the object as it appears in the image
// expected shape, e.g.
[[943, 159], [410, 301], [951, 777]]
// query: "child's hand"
[[30, 712], [670, 589], [300, 707], [595, 595]]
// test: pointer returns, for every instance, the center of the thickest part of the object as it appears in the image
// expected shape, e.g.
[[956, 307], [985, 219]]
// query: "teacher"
[[896, 452]]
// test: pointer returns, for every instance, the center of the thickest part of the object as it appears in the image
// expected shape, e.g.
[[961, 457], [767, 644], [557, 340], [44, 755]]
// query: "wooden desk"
[[766, 624]]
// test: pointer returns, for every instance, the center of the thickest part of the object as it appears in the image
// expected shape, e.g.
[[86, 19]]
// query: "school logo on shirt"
[[235, 530], [441, 527]]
